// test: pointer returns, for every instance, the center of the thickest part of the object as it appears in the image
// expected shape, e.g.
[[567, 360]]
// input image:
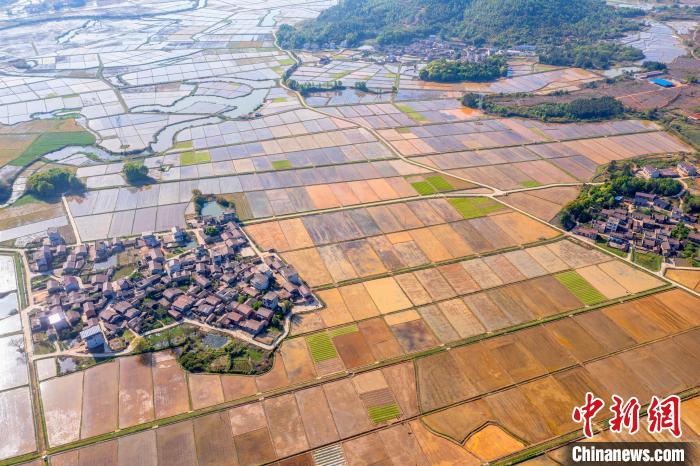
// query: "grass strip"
[[321, 347], [578, 285]]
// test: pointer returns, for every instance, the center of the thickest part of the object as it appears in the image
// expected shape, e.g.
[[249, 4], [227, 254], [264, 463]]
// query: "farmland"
[[458, 323]]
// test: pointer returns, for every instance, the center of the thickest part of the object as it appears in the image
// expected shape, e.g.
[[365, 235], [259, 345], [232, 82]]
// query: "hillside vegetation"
[[499, 22]]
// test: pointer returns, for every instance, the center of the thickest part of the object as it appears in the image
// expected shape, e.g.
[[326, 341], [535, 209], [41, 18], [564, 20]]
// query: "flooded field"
[[659, 42], [16, 415]]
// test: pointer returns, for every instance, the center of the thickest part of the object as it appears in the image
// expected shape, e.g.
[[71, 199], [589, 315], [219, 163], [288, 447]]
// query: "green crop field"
[[439, 183], [194, 157], [281, 164], [49, 142], [530, 184], [321, 347], [583, 290], [343, 330], [411, 113], [473, 207], [423, 188], [432, 185], [380, 414]]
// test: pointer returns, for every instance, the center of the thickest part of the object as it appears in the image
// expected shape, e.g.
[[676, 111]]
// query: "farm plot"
[[170, 386], [458, 300], [100, 400], [135, 390], [13, 362], [368, 242], [580, 287], [687, 278], [62, 404], [544, 203], [205, 390], [316, 416], [385, 115], [287, 423], [550, 397], [17, 418], [213, 439]]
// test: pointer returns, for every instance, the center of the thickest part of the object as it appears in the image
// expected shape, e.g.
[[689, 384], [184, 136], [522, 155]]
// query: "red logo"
[[625, 415], [665, 414], [587, 412]]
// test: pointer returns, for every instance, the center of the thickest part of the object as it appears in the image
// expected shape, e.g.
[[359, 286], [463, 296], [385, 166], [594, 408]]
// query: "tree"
[[135, 171], [54, 182], [692, 204], [361, 86], [651, 65], [680, 231], [452, 71]]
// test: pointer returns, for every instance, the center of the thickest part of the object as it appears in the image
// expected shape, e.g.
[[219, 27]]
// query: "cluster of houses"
[[682, 169], [435, 48], [222, 283], [645, 222]]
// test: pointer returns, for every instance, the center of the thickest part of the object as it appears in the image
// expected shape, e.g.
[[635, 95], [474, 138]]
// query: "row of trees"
[[309, 87], [594, 108]]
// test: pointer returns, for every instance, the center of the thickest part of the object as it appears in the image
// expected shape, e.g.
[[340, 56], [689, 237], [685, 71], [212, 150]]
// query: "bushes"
[[54, 182], [452, 71], [135, 171]]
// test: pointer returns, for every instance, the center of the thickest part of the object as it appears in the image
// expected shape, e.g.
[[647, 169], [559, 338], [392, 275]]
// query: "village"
[[647, 222], [218, 280]]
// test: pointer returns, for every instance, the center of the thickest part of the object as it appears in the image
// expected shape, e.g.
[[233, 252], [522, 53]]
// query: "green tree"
[[135, 171], [54, 182], [361, 86], [680, 231], [453, 71], [651, 65]]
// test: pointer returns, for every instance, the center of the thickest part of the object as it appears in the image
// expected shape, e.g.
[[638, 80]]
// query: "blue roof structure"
[[662, 82]]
